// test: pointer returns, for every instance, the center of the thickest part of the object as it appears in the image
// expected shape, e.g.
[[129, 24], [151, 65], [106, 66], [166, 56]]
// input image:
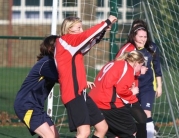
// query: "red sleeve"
[[80, 40], [126, 48]]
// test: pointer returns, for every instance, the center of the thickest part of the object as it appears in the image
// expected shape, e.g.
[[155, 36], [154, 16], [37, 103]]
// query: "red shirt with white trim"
[[113, 84], [69, 52], [128, 48]]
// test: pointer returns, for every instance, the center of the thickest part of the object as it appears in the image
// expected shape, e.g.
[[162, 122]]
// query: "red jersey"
[[126, 48], [113, 85], [69, 52]]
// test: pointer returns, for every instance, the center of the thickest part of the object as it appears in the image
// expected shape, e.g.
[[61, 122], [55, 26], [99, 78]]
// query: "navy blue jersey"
[[37, 85], [153, 64]]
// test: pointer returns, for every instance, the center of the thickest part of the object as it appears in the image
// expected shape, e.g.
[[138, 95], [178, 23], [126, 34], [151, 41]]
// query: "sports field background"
[[19, 46]]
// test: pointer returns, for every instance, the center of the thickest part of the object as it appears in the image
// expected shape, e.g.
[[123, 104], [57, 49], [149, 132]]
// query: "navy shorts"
[[33, 118], [81, 112], [120, 122], [146, 99]]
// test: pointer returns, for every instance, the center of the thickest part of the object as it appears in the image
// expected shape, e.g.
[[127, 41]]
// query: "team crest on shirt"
[[151, 46], [148, 105]]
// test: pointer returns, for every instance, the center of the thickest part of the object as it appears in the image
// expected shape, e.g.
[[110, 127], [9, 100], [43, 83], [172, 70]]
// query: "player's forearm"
[[159, 81]]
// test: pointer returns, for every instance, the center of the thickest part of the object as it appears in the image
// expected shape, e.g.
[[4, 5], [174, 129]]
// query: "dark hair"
[[133, 33], [139, 22], [47, 47]]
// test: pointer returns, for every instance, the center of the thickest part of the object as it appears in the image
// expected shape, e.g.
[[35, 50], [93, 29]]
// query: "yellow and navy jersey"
[[37, 85], [154, 70], [152, 62]]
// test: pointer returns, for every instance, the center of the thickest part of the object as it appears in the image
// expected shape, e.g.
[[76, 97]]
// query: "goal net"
[[162, 17]]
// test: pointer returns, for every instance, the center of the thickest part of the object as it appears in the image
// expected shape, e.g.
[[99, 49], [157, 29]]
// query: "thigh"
[[146, 99], [44, 130], [95, 114], [120, 122], [77, 113], [55, 131], [38, 118]]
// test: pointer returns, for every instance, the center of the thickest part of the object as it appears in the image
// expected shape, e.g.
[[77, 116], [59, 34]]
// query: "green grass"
[[15, 132], [22, 132]]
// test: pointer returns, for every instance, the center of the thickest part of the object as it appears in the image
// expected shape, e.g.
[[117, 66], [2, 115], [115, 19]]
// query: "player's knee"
[[101, 129], [86, 134], [104, 128], [83, 134]]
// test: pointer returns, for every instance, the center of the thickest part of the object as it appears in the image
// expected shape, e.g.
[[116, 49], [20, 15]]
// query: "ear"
[[135, 64]]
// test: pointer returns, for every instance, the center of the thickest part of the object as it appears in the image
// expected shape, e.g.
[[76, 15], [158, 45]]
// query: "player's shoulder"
[[45, 60], [120, 64], [153, 46], [128, 46]]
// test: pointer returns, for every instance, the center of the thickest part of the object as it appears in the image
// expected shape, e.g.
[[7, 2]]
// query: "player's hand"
[[158, 92], [135, 90], [90, 84], [112, 18], [143, 70], [140, 44]]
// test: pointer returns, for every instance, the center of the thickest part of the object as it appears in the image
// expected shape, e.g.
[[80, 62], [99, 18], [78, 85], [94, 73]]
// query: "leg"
[[45, 131], [120, 123], [83, 131], [146, 100], [78, 117], [101, 129], [96, 119], [150, 124], [141, 119], [54, 130]]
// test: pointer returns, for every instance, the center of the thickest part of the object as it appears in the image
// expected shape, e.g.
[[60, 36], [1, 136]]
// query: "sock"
[[141, 130], [93, 136], [150, 128]]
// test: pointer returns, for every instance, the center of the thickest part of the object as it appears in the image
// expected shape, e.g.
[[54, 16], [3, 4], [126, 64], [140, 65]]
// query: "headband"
[[139, 29]]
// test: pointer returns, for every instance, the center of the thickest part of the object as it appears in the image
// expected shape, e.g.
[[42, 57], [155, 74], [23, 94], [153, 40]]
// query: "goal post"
[[53, 32], [112, 38]]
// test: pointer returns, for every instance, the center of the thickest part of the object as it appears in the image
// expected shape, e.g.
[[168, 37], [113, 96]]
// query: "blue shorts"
[[81, 112], [33, 118], [146, 99]]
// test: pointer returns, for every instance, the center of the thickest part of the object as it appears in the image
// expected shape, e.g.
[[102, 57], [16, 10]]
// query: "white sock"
[[150, 129]]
